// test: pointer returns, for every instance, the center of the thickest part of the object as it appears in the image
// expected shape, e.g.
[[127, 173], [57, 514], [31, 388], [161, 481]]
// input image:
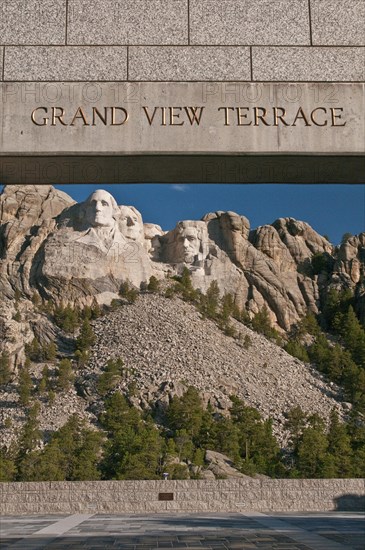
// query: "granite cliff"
[[55, 251]]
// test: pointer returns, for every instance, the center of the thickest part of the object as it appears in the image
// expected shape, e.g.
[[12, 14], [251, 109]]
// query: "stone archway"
[[199, 90]]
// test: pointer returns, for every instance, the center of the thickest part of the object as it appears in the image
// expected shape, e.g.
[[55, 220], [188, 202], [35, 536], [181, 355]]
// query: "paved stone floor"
[[296, 531]]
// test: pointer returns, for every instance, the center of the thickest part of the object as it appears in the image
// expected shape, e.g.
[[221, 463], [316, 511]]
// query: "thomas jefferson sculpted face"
[[100, 209]]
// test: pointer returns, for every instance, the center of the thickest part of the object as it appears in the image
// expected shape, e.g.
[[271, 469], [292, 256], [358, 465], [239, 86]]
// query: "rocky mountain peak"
[[81, 253]]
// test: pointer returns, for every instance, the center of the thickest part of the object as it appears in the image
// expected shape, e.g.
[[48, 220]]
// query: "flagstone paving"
[[296, 531]]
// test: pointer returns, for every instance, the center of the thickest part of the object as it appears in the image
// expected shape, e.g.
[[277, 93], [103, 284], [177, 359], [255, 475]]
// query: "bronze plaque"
[[165, 496]]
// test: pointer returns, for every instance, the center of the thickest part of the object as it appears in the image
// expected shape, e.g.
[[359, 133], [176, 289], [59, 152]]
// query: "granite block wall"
[[182, 40], [239, 495]]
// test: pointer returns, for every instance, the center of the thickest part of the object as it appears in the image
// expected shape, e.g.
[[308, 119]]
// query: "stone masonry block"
[[151, 485], [41, 497], [308, 64], [189, 63], [42, 63], [6, 487], [349, 484], [89, 486], [1, 62], [245, 483], [181, 484], [127, 22], [28, 486], [61, 485], [33, 22], [282, 483], [338, 23], [130, 496], [81, 496], [249, 22], [112, 486], [100, 486], [206, 485], [189, 495]]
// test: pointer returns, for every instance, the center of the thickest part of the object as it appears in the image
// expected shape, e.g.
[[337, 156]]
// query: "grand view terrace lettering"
[[190, 116]]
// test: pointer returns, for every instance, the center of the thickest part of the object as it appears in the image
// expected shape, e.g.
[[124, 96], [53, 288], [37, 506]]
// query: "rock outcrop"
[[221, 466], [53, 248], [166, 346], [266, 267], [81, 253]]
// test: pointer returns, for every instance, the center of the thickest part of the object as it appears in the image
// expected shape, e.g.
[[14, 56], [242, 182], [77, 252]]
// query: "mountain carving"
[[53, 246]]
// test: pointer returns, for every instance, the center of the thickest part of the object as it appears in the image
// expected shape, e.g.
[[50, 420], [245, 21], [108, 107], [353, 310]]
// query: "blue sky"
[[330, 209]]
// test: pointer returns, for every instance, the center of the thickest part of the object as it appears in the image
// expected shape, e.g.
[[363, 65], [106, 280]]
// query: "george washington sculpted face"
[[100, 209]]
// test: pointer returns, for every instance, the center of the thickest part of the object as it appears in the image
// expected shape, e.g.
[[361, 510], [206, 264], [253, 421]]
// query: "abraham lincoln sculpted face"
[[191, 238]]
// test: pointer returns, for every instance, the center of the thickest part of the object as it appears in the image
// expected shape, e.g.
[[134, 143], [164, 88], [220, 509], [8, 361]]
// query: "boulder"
[[221, 465]]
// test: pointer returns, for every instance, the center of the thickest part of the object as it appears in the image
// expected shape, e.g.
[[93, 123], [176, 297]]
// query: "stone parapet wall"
[[239, 495], [182, 40]]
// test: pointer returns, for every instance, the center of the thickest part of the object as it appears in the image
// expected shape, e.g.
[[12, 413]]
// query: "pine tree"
[[67, 318], [73, 453], [185, 279], [44, 383], [227, 306], [153, 285], [65, 375], [128, 292], [5, 370], [51, 397], [297, 350], [51, 351], [81, 357], [118, 414], [198, 458], [33, 350], [339, 446], [184, 444], [111, 376], [312, 449], [185, 287], [308, 325], [295, 424], [212, 300], [29, 439], [226, 439], [134, 446], [86, 338], [46, 465], [7, 464], [170, 450], [25, 386], [353, 336], [88, 454], [261, 323], [186, 412]]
